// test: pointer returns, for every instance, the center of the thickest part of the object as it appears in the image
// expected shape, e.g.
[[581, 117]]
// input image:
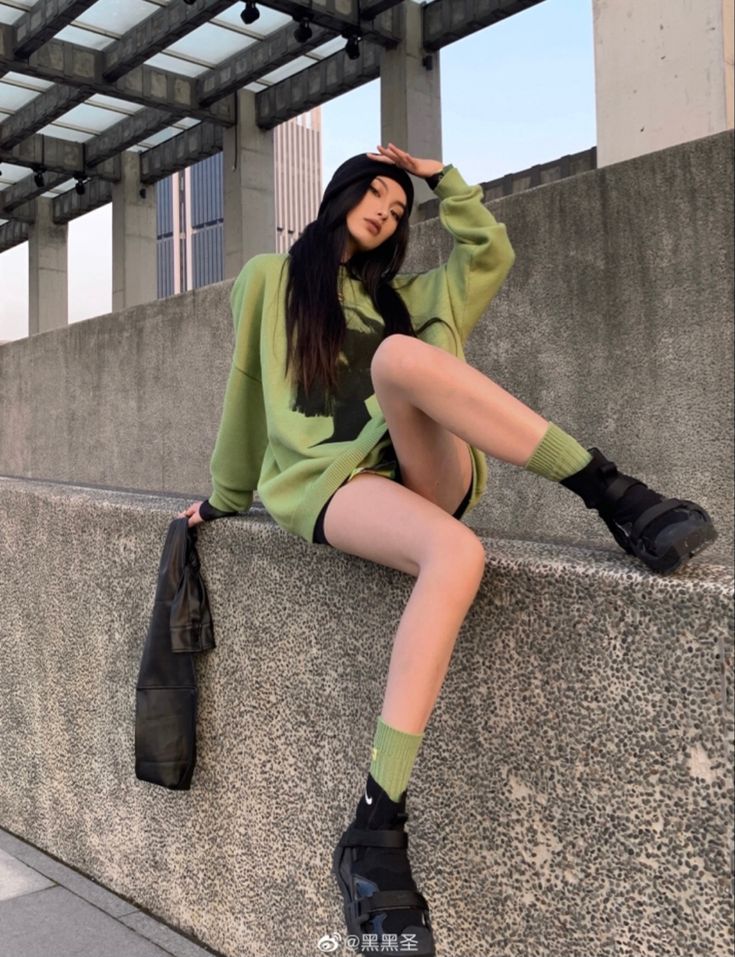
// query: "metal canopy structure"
[[83, 81]]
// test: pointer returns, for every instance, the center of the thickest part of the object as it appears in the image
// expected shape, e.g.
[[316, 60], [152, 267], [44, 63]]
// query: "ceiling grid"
[[82, 81]]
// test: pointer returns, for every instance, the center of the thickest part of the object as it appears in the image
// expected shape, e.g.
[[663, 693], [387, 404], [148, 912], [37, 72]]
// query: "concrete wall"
[[728, 41], [572, 797], [615, 323], [663, 74]]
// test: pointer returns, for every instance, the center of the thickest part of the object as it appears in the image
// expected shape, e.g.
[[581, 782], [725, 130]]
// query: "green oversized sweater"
[[271, 438]]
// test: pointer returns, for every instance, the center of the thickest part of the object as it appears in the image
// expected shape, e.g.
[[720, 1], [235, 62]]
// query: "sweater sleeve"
[[477, 265], [242, 437]]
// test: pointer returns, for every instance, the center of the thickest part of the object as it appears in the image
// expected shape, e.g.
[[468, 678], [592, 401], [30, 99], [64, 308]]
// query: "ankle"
[[376, 810]]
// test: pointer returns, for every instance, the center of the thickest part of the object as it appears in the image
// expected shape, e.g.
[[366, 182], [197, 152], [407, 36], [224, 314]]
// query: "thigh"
[[378, 519], [435, 463]]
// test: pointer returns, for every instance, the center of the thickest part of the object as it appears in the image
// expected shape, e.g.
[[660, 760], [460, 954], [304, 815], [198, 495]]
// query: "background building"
[[190, 206]]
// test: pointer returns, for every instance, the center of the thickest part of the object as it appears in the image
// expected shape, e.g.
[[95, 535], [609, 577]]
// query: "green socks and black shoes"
[[664, 533], [383, 907]]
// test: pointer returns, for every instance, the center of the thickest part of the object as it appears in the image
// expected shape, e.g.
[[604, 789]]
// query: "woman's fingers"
[[192, 513], [404, 160], [395, 151], [393, 154], [381, 159], [388, 153]]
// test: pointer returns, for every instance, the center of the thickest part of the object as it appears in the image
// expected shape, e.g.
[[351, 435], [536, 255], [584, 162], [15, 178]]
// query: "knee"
[[472, 552], [394, 357], [462, 554]]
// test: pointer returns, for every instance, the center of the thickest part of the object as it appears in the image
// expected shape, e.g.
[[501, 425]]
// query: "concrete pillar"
[[728, 29], [410, 99], [663, 74], [249, 188], [48, 284], [134, 253]]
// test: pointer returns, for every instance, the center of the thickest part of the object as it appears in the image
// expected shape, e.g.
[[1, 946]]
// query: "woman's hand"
[[192, 512], [418, 167]]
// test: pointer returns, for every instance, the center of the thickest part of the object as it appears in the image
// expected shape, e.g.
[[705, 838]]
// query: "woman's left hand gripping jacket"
[[165, 697]]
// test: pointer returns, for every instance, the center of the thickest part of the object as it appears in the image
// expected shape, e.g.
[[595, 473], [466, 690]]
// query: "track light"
[[251, 13], [352, 47], [302, 33]]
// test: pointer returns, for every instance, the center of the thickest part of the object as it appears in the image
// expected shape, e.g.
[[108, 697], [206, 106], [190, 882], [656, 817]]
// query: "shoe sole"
[[682, 551], [697, 536]]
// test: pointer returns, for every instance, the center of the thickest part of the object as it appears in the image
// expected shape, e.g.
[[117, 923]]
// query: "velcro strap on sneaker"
[[615, 491], [374, 838], [668, 505], [388, 900]]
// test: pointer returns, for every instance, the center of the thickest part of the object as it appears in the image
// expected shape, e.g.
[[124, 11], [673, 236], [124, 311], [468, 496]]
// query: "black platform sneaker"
[[663, 532], [384, 911]]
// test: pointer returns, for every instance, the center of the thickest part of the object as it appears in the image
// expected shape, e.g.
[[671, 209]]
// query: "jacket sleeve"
[[477, 265], [242, 437]]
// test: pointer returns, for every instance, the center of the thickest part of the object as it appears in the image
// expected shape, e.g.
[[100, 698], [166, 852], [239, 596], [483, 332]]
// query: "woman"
[[375, 444]]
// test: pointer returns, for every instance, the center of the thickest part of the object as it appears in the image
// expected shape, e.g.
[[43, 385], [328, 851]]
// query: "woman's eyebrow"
[[395, 201]]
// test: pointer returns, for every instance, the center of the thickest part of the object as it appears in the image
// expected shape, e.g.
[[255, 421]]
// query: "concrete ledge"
[[583, 730]]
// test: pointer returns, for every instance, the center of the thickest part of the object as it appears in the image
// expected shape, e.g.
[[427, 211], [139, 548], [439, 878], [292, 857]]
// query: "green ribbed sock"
[[393, 756], [558, 455]]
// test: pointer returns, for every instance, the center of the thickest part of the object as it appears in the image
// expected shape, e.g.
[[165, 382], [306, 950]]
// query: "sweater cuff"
[[209, 513], [433, 181]]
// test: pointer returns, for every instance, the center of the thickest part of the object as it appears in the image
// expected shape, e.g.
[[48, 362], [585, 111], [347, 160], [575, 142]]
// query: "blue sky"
[[514, 94]]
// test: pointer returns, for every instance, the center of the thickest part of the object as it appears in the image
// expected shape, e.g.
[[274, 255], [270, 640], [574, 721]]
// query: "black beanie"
[[361, 166]]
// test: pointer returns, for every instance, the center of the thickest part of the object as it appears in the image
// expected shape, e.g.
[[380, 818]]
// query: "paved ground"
[[50, 910]]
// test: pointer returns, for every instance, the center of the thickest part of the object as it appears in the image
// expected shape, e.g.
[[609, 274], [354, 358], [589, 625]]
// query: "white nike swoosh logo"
[[368, 800]]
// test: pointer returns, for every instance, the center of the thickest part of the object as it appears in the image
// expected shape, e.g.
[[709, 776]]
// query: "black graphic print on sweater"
[[354, 384]]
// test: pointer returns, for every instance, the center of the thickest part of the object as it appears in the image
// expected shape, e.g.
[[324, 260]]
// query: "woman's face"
[[376, 216]]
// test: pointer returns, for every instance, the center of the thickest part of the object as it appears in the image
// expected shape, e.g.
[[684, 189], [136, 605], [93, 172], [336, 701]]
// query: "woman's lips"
[[372, 227]]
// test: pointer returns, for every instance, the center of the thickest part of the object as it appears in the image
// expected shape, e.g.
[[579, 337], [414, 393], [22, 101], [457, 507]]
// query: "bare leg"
[[460, 398], [382, 521], [376, 519]]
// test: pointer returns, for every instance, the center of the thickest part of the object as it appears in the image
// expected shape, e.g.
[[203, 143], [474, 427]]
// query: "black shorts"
[[319, 538]]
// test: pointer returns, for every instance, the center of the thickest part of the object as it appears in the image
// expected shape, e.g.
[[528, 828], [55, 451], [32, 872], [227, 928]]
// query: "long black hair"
[[315, 322]]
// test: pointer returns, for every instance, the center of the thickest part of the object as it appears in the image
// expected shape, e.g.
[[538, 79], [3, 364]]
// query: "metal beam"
[[39, 112], [371, 8], [180, 151], [43, 21], [157, 32], [123, 135], [70, 205], [255, 61], [16, 200], [98, 153], [445, 21], [236, 72], [79, 66], [12, 234], [343, 16], [316, 84], [58, 156], [134, 47]]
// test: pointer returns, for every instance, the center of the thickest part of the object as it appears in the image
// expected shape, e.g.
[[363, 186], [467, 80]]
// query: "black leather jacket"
[[165, 699]]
